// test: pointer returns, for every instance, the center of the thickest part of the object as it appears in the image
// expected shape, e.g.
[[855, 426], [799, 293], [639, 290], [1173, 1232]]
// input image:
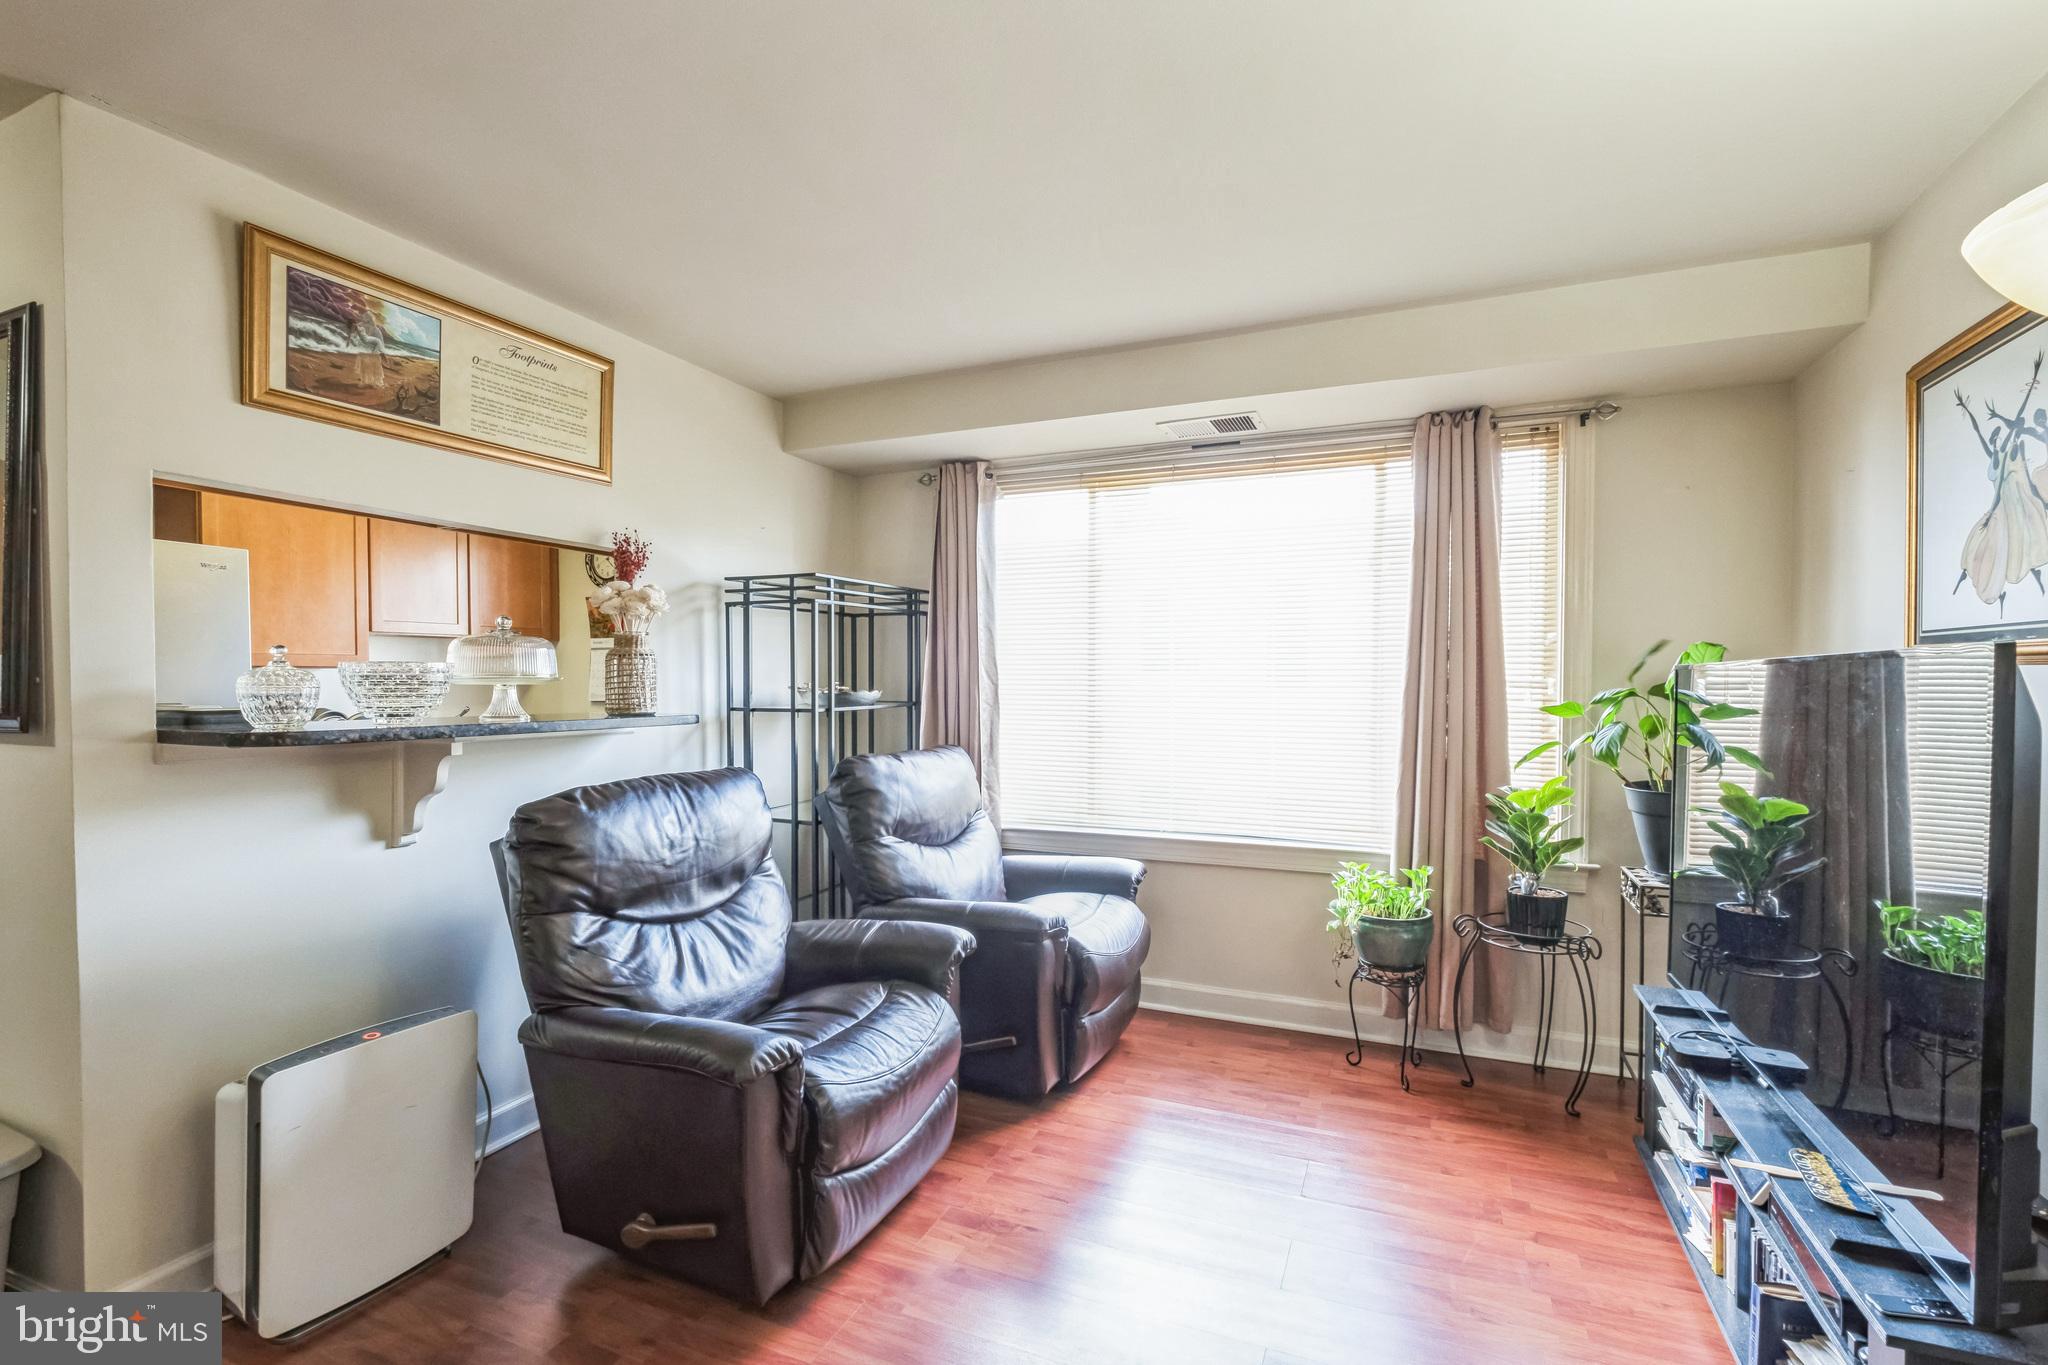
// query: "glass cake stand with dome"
[[504, 659]]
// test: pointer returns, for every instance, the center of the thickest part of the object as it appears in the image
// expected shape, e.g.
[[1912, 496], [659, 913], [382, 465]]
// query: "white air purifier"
[[342, 1167]]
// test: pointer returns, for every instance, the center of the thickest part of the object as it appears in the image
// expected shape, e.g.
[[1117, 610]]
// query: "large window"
[[1219, 649]]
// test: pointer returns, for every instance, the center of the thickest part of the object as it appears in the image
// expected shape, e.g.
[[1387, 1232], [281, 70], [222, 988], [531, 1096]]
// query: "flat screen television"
[[1900, 968]]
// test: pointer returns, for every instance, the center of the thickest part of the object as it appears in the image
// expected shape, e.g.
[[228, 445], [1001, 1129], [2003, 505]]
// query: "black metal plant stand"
[[1576, 946], [832, 631], [1947, 1053], [1405, 985], [1645, 896], [1707, 960]]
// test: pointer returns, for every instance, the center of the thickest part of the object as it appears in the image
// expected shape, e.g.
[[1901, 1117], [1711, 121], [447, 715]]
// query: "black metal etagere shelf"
[[818, 632]]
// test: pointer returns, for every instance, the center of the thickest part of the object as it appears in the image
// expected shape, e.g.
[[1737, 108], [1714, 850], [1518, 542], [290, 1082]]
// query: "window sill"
[[1198, 850]]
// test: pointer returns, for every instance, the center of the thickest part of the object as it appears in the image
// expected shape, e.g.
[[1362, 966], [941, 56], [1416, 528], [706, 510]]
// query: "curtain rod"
[[1305, 437]]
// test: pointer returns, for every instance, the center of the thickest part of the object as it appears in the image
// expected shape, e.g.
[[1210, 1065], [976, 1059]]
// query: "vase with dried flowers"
[[631, 606]]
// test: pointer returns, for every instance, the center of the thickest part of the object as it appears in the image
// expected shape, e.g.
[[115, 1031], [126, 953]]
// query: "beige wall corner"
[[39, 1007], [1852, 403]]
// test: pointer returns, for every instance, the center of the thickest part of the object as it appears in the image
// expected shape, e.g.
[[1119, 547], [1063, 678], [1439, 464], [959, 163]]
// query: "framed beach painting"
[[1977, 503], [337, 342]]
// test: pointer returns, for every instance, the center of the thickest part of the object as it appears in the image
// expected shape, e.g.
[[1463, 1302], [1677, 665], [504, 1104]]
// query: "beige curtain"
[[1454, 739], [960, 644]]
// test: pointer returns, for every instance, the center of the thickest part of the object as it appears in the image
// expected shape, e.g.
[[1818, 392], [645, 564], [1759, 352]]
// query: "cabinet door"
[[308, 575], [514, 578], [419, 579]]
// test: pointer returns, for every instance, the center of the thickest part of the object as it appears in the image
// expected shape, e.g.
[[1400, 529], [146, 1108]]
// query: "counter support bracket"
[[419, 773]]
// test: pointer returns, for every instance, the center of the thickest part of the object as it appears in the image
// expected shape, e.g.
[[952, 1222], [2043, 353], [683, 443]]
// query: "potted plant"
[[1762, 841], [1934, 969], [1524, 826], [1382, 917], [1638, 731]]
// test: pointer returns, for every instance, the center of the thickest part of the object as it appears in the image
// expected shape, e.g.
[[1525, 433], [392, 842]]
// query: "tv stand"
[[1776, 1262]]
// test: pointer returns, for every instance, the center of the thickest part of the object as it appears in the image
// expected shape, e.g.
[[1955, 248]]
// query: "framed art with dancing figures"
[[1977, 497], [338, 342]]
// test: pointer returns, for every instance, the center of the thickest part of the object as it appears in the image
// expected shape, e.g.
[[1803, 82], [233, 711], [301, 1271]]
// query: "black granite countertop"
[[217, 730]]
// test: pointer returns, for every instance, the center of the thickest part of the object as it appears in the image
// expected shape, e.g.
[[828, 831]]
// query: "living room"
[[1252, 436]]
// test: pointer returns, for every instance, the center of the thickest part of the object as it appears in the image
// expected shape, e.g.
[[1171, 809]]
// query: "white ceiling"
[[803, 194]]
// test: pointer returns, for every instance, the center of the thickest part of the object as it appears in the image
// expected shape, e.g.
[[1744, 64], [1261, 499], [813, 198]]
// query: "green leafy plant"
[[1762, 838], [1524, 826], [1947, 943], [1639, 729], [1365, 892]]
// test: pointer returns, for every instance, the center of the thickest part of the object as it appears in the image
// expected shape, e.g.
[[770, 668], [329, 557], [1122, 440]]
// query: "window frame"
[[1575, 580]]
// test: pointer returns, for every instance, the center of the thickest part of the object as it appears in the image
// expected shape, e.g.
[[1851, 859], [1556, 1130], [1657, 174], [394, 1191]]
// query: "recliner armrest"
[[1036, 874], [830, 950], [983, 919], [718, 1049]]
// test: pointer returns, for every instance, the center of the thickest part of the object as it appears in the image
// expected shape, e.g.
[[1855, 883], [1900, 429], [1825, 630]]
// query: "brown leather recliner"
[[1054, 979], [723, 1094]]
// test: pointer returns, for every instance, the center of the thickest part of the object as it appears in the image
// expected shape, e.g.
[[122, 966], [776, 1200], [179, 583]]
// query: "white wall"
[[1692, 537], [1852, 402], [39, 1090], [235, 906]]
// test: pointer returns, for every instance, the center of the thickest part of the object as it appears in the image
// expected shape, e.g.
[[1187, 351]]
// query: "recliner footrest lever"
[[643, 1230]]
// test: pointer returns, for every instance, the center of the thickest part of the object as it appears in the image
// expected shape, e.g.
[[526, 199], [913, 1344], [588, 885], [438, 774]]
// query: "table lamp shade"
[[2010, 250]]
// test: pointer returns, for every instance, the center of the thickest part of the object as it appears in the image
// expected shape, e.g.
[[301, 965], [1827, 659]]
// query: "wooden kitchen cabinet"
[[515, 578], [419, 579], [308, 575]]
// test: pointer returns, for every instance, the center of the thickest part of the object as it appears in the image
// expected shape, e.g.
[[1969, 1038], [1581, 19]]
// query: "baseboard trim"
[[193, 1270], [510, 1121], [25, 1284], [1332, 1018]]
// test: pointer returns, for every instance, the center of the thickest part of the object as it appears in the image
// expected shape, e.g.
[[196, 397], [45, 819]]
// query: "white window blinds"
[[1218, 649], [1948, 769], [1531, 590]]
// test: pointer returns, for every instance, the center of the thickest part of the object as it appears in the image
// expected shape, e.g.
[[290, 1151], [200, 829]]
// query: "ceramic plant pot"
[[1398, 945], [1538, 913], [1752, 935], [1651, 810], [1935, 1001]]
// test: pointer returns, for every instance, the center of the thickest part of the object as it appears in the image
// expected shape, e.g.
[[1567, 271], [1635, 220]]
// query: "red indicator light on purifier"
[[373, 1033]]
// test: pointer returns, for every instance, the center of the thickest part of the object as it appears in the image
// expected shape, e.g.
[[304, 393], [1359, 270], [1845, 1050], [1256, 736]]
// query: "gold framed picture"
[[328, 339], [1977, 491]]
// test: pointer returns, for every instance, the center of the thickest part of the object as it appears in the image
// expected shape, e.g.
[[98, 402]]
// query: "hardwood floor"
[[1212, 1193]]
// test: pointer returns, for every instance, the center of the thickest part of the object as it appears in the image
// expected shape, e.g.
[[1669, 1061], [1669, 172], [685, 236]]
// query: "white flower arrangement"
[[630, 606]]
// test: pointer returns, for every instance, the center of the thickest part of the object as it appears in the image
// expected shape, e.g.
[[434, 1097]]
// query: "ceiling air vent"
[[1198, 428]]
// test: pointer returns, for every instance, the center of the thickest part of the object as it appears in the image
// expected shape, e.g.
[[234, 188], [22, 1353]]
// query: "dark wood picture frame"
[[21, 559]]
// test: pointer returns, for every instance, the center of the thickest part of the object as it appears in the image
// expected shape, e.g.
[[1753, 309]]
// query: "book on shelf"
[[1814, 1350], [1722, 1208], [1702, 1165], [1778, 1315], [1695, 1213]]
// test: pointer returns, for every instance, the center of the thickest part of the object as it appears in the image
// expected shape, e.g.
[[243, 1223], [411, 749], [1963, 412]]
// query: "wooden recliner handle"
[[644, 1229]]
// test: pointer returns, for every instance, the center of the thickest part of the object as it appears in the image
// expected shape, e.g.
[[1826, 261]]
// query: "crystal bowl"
[[395, 691]]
